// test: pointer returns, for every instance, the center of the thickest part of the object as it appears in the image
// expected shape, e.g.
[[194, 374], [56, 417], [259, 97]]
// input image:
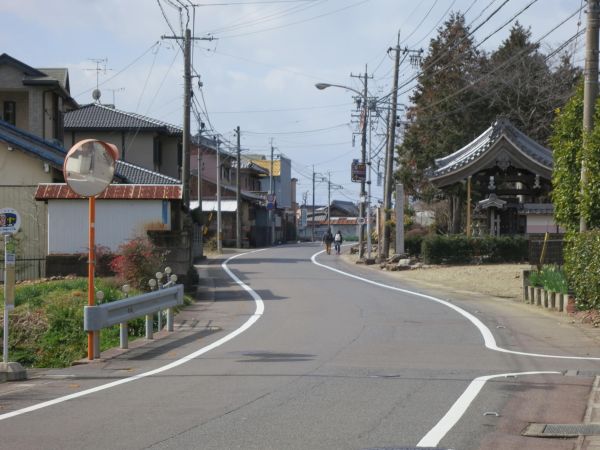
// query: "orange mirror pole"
[[91, 268]]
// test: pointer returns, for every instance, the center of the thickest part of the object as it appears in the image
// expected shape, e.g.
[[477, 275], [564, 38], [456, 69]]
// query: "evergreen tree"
[[441, 121], [521, 86]]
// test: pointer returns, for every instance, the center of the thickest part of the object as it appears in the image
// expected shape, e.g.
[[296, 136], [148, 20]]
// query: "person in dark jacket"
[[327, 240], [337, 242]]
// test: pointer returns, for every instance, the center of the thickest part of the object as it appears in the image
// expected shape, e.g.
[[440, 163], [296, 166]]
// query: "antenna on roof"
[[100, 67]]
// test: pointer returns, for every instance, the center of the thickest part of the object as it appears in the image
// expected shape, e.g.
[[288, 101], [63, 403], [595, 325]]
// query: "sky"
[[260, 69]]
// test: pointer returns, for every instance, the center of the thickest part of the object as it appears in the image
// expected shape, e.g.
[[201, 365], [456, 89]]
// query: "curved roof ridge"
[[501, 128]]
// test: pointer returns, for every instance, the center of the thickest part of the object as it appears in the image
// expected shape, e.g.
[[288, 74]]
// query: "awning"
[[211, 205]]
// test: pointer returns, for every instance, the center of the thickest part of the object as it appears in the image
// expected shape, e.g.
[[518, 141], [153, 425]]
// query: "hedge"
[[459, 249], [582, 266]]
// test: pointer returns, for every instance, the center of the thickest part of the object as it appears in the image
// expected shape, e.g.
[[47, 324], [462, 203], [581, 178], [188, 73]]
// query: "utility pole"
[[391, 145], [238, 219], [187, 94], [590, 89], [363, 157], [187, 88], [271, 218], [313, 206], [219, 231], [389, 157], [329, 200]]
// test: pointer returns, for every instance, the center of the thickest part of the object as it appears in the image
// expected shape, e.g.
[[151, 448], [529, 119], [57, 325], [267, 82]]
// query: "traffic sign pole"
[[10, 222], [6, 294]]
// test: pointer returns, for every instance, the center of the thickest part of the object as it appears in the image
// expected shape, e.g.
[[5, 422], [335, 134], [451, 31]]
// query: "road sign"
[[358, 171], [10, 221], [360, 221]]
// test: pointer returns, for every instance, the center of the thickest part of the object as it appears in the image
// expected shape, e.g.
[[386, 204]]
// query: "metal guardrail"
[[121, 311]]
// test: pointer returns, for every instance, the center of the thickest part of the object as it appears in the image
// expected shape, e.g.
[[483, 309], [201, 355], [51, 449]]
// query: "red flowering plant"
[[136, 262]]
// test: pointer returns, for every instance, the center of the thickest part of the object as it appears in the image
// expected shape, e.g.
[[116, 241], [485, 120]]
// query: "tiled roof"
[[112, 192], [96, 116], [474, 150], [54, 154], [133, 174]]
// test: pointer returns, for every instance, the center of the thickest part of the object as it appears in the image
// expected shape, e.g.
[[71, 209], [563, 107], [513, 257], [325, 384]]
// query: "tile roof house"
[[143, 141], [34, 102]]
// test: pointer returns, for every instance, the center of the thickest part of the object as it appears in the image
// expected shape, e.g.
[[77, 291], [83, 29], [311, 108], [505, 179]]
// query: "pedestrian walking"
[[327, 240], [337, 242]]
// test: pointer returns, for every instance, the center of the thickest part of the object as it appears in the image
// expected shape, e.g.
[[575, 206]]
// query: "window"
[[10, 112]]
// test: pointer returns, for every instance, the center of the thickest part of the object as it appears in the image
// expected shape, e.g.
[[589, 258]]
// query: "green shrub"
[[412, 245], [582, 266], [446, 250], [458, 249], [551, 278]]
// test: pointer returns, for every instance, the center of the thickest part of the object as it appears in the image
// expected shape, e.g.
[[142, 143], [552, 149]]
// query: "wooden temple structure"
[[508, 178]]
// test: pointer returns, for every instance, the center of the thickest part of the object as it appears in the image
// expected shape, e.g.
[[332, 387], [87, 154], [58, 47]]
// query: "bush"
[[551, 278], [412, 245], [582, 266], [458, 249], [137, 262]]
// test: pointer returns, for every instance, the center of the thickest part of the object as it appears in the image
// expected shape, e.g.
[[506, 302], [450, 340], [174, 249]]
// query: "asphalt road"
[[312, 358]]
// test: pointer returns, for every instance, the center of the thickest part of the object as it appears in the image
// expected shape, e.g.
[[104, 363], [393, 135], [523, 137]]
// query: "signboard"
[[271, 201], [303, 218], [358, 171], [10, 221]]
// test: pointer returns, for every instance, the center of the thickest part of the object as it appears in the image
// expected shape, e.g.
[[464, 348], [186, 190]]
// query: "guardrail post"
[[97, 344], [149, 326], [124, 335], [170, 316]]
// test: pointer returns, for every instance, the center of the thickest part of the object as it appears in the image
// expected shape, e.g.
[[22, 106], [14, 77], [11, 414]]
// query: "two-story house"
[[283, 187], [33, 103], [32, 153], [253, 213], [141, 140]]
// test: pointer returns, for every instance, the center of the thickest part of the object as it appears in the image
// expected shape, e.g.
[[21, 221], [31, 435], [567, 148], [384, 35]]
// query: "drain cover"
[[562, 430]]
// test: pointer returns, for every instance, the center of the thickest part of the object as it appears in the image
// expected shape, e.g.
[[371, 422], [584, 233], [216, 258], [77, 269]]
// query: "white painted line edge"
[[457, 410], [260, 307], [488, 337]]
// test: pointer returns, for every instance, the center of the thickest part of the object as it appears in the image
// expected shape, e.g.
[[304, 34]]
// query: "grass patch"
[[46, 326]]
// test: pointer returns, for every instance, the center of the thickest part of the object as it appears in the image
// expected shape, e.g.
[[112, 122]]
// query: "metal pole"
[[590, 91], [238, 217], [5, 321], [91, 268], [313, 206], [389, 158], [219, 237]]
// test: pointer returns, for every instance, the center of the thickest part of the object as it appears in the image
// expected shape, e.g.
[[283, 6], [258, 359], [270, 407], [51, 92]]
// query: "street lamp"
[[363, 153]]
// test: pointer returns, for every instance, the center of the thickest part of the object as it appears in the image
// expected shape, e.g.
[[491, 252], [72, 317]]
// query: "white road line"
[[437, 433], [260, 307], [488, 337]]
